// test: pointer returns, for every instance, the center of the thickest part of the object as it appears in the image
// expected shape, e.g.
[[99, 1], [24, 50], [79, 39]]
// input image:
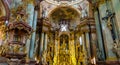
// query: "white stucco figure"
[[63, 27]]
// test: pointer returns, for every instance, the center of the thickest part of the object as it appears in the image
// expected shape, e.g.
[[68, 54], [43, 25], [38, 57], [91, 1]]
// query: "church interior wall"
[[97, 25]]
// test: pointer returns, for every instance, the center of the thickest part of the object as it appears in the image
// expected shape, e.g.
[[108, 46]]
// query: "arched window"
[[80, 40]]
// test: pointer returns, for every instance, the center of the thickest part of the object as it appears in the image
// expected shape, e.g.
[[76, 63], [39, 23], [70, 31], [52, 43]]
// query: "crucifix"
[[109, 19]]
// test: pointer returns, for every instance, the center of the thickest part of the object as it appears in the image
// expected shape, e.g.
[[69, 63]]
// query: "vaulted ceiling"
[[64, 13]]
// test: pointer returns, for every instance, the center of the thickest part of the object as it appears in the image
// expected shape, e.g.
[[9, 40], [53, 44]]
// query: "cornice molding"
[[86, 25], [63, 2]]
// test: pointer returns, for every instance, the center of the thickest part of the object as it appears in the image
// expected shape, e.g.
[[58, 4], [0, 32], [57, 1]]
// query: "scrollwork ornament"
[[2, 32], [3, 49], [116, 48]]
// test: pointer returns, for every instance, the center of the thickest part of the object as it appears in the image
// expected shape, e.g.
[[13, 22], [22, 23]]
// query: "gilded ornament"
[[16, 48], [2, 32], [19, 14], [116, 48]]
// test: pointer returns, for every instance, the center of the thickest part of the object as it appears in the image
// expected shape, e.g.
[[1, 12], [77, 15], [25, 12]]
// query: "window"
[[80, 40]]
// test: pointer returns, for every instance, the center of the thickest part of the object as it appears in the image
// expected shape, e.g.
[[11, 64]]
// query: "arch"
[[2, 9], [7, 10], [65, 33], [57, 7]]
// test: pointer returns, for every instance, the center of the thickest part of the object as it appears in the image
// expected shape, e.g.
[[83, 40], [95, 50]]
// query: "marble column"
[[30, 11], [41, 44], [84, 49], [101, 48], [91, 15], [87, 44], [38, 46], [94, 41], [46, 38], [33, 37]]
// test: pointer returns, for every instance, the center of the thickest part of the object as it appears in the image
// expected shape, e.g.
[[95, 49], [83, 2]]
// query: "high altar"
[[66, 45]]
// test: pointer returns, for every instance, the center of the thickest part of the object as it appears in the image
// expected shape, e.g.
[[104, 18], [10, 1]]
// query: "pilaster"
[[108, 40]]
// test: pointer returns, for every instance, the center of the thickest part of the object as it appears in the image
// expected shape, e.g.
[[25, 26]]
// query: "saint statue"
[[63, 46]]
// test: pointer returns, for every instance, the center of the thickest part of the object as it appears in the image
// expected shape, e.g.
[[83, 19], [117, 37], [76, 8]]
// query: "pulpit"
[[18, 31]]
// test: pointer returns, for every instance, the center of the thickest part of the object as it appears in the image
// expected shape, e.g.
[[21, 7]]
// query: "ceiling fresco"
[[64, 13]]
